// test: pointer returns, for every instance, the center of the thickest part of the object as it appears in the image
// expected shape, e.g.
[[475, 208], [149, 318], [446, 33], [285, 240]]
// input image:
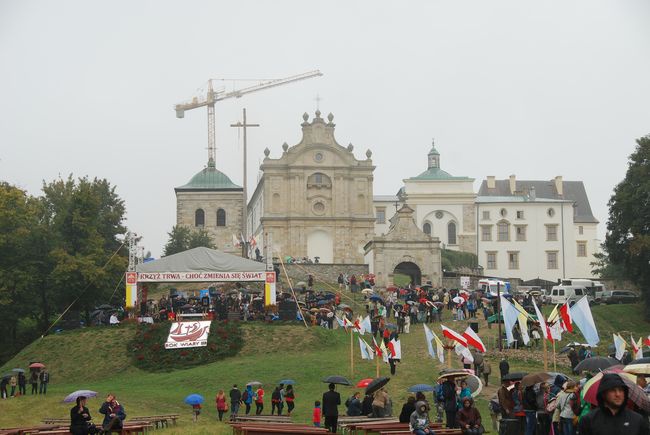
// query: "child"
[[316, 415], [196, 410]]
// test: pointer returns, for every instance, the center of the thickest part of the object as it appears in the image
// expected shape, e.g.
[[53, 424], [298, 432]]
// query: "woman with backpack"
[[247, 398]]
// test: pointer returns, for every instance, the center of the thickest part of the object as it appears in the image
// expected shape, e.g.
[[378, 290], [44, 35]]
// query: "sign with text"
[[465, 282], [188, 334], [269, 289], [199, 276]]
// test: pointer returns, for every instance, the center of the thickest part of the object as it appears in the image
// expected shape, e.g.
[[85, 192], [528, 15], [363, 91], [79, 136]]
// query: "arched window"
[[319, 180], [451, 233], [221, 217], [426, 228], [199, 218]]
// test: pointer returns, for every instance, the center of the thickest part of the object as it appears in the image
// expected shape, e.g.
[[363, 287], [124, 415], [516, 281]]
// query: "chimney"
[[532, 194], [559, 186], [491, 183], [513, 184]]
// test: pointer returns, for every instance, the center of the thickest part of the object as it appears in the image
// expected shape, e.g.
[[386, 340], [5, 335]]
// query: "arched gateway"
[[409, 269]]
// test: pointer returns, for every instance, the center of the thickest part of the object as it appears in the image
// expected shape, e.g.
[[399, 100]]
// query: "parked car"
[[619, 297], [561, 294]]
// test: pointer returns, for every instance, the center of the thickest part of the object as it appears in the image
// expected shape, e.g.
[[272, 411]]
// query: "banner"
[[188, 334], [269, 289], [131, 289], [464, 282], [199, 276]]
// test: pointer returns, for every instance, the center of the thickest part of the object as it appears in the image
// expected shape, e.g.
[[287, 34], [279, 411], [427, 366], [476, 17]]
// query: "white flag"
[[581, 316], [510, 317], [620, 345], [366, 353]]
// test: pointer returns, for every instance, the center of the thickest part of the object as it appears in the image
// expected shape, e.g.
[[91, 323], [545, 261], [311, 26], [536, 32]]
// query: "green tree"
[[182, 238], [628, 229], [200, 237]]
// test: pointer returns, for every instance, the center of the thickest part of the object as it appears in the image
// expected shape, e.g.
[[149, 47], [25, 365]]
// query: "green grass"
[[94, 358]]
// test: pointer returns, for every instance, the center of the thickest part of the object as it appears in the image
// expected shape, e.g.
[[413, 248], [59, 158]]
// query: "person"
[[486, 368], [196, 410], [530, 408], [283, 392], [543, 417], [566, 401], [235, 401], [331, 402], [612, 416], [33, 379], [464, 390], [518, 409], [3, 387], [366, 405], [439, 400], [353, 405], [573, 358], [316, 414], [275, 400], [419, 421], [13, 382], [379, 402], [451, 406], [341, 281], [113, 321], [247, 398], [80, 418], [289, 397], [469, 418], [44, 377], [504, 367], [113, 412], [407, 409], [22, 381], [505, 400], [259, 401], [222, 404]]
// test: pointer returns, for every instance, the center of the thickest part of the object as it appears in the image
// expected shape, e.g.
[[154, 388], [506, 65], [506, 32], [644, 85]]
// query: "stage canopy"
[[201, 265]]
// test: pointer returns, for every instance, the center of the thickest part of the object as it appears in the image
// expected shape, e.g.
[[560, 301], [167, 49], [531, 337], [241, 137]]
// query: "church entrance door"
[[320, 244], [410, 270]]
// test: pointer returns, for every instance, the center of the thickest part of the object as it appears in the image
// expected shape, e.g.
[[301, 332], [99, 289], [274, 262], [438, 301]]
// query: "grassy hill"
[[95, 358]]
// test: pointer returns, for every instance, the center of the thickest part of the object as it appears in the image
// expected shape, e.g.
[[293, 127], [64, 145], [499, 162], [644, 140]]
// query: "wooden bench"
[[376, 428], [161, 419], [437, 432], [263, 418], [274, 428]]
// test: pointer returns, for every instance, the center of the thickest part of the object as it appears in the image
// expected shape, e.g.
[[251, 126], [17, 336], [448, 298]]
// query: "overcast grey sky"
[[536, 89]]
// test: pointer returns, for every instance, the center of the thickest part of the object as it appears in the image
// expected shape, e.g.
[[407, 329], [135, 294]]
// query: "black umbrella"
[[595, 364], [516, 376], [644, 360], [337, 380], [376, 385], [104, 307]]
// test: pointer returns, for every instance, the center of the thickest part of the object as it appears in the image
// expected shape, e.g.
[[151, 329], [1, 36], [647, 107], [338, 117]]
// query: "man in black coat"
[[504, 367], [235, 401], [612, 415], [331, 402]]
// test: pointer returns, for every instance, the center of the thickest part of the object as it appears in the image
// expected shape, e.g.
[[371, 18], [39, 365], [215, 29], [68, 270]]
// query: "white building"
[[535, 229]]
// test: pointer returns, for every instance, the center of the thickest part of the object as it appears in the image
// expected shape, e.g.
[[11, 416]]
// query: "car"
[[619, 297], [561, 294]]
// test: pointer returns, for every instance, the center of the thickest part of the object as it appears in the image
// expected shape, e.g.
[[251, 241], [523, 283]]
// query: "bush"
[[147, 348]]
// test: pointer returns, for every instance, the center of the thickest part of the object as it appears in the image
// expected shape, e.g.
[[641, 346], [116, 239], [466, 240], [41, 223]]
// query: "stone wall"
[[322, 272]]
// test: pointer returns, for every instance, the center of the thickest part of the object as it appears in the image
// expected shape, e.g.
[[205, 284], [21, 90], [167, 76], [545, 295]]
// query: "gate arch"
[[411, 270]]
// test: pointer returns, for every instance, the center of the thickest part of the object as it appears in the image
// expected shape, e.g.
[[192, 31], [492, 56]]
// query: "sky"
[[534, 89]]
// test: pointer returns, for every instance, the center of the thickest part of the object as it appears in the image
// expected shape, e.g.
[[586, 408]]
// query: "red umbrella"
[[423, 300], [391, 288], [636, 395], [37, 366], [363, 383]]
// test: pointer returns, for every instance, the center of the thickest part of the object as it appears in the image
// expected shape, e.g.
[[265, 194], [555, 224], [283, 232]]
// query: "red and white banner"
[[473, 339], [188, 334], [200, 276], [453, 335], [131, 289]]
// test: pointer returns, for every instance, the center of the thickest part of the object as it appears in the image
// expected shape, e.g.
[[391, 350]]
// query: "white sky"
[[536, 89]]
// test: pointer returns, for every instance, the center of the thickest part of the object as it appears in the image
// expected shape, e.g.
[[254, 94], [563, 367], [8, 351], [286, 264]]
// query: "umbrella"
[[638, 369], [336, 380], [390, 326], [7, 375], [458, 300], [194, 399], [453, 375], [329, 296], [323, 302], [287, 382], [636, 395], [254, 383], [257, 298], [424, 300], [595, 364], [187, 306], [301, 284], [535, 378], [367, 291], [376, 298], [421, 388], [314, 310], [37, 366], [72, 397], [18, 370], [474, 384], [516, 376], [430, 304], [645, 360], [391, 288], [410, 302], [343, 306], [376, 385], [363, 383], [439, 304], [104, 307]]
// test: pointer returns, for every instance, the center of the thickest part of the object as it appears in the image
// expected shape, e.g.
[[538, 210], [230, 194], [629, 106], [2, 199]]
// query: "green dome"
[[437, 174], [210, 178]]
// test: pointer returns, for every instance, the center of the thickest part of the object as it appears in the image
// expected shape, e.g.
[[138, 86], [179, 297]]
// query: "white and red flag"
[[453, 335], [565, 314], [473, 339]]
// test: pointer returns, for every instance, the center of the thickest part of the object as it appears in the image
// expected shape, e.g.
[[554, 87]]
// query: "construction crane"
[[211, 97]]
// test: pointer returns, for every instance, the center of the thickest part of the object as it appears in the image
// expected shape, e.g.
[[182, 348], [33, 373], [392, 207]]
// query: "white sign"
[[464, 282], [199, 276], [188, 334]]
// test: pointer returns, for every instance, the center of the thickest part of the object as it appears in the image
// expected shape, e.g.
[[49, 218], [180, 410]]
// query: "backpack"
[[495, 407], [244, 396]]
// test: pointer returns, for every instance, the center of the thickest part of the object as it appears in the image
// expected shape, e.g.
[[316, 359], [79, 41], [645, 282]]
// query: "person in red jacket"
[[317, 414], [259, 401], [468, 418]]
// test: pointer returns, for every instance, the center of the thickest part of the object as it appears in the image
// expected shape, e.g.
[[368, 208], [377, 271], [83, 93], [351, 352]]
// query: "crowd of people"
[[15, 384], [81, 419]]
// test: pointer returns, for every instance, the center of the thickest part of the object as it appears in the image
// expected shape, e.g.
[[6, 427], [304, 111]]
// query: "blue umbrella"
[[72, 397], [194, 399], [376, 298], [420, 388], [323, 302], [287, 382]]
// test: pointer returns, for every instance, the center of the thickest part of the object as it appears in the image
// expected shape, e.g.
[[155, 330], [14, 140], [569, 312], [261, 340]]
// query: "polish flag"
[[565, 313], [473, 339], [646, 340], [378, 350], [453, 335]]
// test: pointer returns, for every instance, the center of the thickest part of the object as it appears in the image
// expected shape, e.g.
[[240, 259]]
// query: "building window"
[[551, 233], [520, 233], [581, 230], [486, 215], [381, 215], [503, 231], [221, 217], [503, 212], [439, 214], [491, 260], [451, 233], [486, 233], [582, 249], [520, 214], [199, 218], [551, 260], [550, 212], [426, 228], [319, 180], [513, 260]]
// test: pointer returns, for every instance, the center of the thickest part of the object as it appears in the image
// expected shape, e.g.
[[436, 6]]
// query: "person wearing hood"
[[247, 398], [469, 418], [419, 423], [407, 409], [612, 415]]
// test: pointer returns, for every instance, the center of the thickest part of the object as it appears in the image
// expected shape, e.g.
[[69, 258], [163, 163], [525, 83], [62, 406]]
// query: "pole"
[[545, 354], [377, 365], [498, 313], [554, 362], [351, 353], [449, 348]]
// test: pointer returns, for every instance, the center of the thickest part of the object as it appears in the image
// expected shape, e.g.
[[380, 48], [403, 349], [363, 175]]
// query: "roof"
[[201, 260], [574, 191], [437, 174], [519, 198], [210, 178], [385, 198]]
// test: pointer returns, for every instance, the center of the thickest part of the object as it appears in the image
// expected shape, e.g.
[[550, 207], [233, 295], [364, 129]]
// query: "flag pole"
[[545, 354], [351, 353], [554, 363], [377, 364]]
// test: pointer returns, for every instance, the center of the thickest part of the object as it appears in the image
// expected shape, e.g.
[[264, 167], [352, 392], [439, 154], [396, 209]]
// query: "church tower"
[[434, 157]]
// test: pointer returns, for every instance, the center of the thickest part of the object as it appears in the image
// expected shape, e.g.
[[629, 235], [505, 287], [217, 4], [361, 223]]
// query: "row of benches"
[[135, 425]]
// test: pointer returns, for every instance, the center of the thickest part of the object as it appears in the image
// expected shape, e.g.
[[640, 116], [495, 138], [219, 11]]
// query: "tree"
[[628, 229], [182, 238]]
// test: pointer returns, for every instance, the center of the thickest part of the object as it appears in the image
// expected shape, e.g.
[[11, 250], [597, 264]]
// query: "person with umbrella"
[[419, 422], [44, 377], [22, 382], [80, 418], [113, 412], [469, 418], [379, 403], [567, 401], [290, 397], [331, 402], [33, 380], [247, 398], [612, 415], [259, 400], [353, 405]]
